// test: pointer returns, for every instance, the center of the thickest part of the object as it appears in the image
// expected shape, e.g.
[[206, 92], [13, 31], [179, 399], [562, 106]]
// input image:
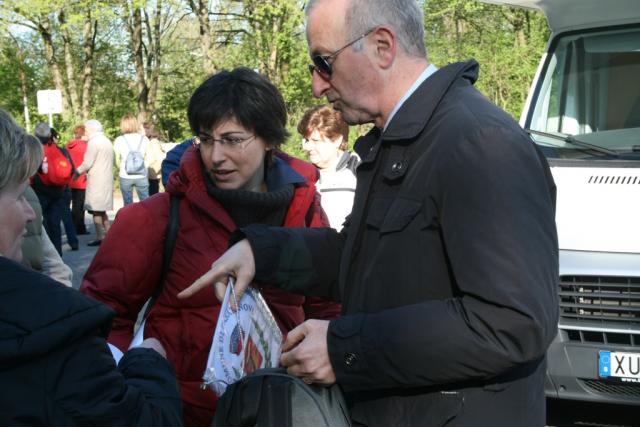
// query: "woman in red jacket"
[[234, 175], [76, 148]]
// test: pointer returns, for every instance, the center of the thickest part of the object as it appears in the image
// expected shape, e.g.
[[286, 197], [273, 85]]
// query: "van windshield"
[[590, 92]]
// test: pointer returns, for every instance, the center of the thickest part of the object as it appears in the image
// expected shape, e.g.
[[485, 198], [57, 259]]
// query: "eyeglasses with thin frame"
[[321, 63], [235, 143]]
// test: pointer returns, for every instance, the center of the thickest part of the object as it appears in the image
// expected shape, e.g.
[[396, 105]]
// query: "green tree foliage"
[[507, 42], [72, 44]]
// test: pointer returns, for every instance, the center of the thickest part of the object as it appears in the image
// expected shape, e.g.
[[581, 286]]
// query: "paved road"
[[79, 260]]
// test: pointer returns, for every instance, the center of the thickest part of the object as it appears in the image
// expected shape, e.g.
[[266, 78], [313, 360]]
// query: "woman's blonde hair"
[[129, 124], [20, 153]]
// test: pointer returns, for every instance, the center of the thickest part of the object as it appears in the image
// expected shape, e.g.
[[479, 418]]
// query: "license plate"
[[623, 366]]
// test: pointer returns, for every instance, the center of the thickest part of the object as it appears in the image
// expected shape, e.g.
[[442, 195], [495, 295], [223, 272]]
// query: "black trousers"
[[77, 210], [154, 186]]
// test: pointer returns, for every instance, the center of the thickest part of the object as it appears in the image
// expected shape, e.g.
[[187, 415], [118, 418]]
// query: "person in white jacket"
[[132, 139], [325, 139]]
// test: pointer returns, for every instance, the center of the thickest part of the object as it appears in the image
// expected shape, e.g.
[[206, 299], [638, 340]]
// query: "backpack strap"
[[126, 141], [66, 153], [169, 243]]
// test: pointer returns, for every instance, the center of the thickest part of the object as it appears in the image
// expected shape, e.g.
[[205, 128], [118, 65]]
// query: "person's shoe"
[[94, 243], [74, 247]]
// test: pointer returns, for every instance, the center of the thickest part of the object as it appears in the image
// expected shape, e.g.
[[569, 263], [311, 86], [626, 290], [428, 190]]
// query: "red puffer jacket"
[[126, 270], [77, 148]]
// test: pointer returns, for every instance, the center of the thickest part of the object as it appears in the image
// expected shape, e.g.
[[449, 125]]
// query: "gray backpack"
[[134, 163], [272, 398]]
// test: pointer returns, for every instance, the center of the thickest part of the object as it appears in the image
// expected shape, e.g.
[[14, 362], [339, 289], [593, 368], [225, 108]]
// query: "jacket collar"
[[414, 114], [280, 174], [416, 111], [188, 182]]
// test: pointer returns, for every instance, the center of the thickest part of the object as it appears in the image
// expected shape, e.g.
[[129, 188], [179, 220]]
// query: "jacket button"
[[350, 359], [397, 167]]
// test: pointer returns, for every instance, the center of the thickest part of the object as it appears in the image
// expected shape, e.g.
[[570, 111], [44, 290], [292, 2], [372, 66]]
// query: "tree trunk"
[[273, 51], [202, 12], [90, 31], [24, 91], [69, 62], [135, 30], [44, 28], [155, 58]]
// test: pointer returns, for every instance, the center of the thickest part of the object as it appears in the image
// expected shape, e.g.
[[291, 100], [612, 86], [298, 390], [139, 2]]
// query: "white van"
[[583, 111]]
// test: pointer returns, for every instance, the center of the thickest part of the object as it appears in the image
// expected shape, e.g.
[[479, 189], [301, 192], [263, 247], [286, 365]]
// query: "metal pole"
[[50, 119]]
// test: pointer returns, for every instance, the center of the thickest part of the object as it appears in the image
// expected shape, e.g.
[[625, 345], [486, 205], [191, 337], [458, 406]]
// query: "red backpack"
[[57, 167]]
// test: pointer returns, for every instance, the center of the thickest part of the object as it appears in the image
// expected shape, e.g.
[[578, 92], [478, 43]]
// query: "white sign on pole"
[[49, 101]]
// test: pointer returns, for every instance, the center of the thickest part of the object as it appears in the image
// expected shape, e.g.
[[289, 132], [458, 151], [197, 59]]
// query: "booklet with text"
[[244, 340]]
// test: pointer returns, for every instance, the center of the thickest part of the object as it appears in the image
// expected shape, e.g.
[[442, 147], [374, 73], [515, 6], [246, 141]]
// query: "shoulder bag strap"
[[167, 254]]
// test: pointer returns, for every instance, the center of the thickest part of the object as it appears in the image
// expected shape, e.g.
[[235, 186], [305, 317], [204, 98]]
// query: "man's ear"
[[385, 43]]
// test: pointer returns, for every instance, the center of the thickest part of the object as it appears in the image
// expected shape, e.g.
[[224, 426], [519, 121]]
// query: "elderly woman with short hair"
[[56, 366]]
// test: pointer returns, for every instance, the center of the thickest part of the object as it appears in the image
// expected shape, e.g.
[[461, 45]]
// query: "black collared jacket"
[[447, 267]]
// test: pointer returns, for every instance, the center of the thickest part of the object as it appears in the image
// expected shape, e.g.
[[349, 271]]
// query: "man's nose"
[[319, 86]]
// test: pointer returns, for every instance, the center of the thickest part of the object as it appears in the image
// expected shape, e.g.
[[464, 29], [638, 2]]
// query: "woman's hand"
[[154, 344]]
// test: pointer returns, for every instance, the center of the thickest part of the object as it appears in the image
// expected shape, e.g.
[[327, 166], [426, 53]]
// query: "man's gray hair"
[[43, 130], [20, 153], [403, 16], [93, 124]]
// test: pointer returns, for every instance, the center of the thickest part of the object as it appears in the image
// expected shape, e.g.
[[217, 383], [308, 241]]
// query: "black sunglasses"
[[321, 63]]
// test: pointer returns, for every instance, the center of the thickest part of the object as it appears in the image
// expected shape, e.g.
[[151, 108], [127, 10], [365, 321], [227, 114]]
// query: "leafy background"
[[111, 57]]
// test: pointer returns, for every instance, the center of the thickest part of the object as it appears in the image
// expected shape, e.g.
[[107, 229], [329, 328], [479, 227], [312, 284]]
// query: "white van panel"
[[573, 14], [598, 209]]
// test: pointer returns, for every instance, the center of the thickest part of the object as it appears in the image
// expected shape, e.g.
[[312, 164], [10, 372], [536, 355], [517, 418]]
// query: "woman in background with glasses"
[[234, 175]]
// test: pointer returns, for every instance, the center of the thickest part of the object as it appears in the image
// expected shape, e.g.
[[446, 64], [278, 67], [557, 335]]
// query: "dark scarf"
[[249, 207]]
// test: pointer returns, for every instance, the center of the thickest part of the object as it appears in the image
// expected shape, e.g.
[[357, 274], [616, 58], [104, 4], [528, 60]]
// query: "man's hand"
[[305, 353], [236, 262]]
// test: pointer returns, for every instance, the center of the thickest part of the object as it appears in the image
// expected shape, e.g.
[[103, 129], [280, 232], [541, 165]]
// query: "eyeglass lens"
[[321, 65]]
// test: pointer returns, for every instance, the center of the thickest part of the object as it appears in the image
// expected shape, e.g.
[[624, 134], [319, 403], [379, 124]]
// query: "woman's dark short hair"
[[244, 94]]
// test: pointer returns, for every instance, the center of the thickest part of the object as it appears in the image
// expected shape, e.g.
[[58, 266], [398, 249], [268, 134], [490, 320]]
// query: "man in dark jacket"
[[50, 196], [447, 266]]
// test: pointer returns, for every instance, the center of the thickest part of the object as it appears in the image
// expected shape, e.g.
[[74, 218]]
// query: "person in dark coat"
[[55, 365], [447, 268], [51, 197]]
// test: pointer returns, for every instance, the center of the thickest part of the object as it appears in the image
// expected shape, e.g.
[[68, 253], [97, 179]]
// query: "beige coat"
[[98, 163], [38, 253], [153, 158]]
